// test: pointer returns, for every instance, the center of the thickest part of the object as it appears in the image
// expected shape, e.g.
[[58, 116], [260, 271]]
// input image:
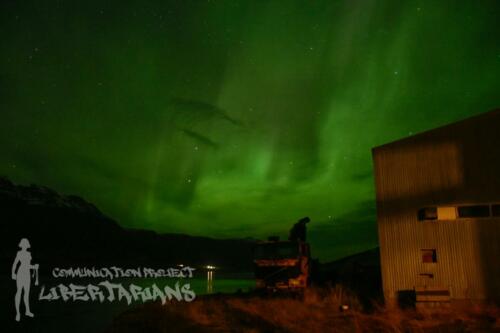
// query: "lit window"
[[447, 213], [474, 211], [427, 214], [429, 255]]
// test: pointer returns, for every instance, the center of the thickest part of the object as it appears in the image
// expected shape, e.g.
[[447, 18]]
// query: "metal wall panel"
[[452, 165]]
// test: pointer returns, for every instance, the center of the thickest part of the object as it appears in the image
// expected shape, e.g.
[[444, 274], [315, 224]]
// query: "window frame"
[[424, 253], [456, 212]]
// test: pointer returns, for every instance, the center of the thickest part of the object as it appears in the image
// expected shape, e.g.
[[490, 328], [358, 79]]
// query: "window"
[[474, 211], [429, 255], [457, 212], [495, 210], [447, 213], [427, 214]]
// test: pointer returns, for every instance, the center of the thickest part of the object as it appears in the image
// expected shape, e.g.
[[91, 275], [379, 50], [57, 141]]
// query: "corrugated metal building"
[[438, 211]]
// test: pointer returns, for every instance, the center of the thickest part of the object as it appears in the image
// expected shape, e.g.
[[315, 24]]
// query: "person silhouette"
[[23, 277]]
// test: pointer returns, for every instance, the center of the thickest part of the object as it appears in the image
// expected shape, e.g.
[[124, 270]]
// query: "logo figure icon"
[[22, 275]]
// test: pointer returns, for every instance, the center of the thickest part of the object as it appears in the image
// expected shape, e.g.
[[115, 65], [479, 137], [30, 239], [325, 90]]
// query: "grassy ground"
[[318, 311]]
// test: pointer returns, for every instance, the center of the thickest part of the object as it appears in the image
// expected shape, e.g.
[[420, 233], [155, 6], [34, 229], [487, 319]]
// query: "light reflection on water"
[[210, 281]]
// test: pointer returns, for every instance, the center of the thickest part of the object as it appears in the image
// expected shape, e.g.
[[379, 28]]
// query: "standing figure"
[[23, 277], [298, 231]]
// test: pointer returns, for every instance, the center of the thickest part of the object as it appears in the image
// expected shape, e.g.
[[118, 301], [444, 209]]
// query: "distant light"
[[181, 265], [210, 267]]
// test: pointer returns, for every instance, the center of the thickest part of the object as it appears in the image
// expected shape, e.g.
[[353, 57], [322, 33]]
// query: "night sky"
[[235, 118]]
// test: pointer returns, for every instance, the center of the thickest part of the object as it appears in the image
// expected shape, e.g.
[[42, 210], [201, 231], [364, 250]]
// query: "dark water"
[[87, 316], [201, 286]]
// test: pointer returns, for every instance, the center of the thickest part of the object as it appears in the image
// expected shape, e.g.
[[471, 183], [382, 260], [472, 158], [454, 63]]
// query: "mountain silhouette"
[[66, 230]]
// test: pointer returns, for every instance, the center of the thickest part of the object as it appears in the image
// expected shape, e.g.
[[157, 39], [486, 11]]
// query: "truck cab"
[[282, 265]]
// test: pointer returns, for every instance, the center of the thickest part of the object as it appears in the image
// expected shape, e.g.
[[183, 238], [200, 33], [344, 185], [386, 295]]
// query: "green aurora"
[[235, 118]]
